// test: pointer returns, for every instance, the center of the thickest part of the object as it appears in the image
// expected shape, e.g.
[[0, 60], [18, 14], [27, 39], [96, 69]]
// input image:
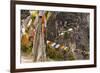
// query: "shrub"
[[54, 54]]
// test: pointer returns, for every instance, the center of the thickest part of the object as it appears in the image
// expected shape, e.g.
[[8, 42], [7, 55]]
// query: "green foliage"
[[87, 56], [33, 18], [53, 54], [71, 56], [30, 45], [67, 50], [58, 55], [26, 49], [66, 35]]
